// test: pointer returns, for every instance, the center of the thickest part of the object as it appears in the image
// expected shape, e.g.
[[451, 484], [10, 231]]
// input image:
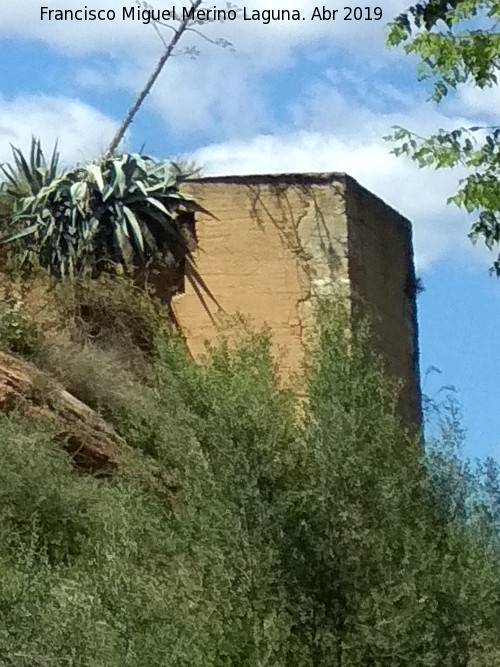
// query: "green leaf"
[[79, 192], [94, 170], [158, 204], [70, 220], [21, 234], [135, 228]]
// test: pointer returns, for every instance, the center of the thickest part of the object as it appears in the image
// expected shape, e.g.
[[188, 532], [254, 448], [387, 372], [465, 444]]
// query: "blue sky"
[[291, 96]]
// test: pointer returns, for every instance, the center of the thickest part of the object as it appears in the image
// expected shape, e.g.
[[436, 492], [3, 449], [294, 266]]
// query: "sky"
[[307, 95]]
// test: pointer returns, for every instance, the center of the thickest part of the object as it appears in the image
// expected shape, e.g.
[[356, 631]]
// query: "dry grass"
[[101, 378], [111, 309], [97, 338]]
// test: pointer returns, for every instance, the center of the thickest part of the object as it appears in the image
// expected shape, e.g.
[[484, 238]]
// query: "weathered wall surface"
[[269, 247], [382, 278], [277, 241]]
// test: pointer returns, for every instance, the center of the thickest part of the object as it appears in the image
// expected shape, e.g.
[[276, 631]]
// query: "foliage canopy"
[[457, 43], [241, 535]]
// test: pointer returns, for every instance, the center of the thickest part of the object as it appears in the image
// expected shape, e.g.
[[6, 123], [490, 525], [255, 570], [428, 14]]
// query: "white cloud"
[[81, 131], [23, 20], [267, 43], [483, 103], [214, 96], [328, 132], [335, 124], [220, 91]]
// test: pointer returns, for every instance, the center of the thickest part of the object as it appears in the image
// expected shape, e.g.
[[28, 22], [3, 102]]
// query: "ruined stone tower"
[[278, 241]]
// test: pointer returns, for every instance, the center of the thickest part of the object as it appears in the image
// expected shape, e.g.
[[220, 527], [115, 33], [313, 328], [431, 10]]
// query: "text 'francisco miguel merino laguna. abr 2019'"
[[264, 16]]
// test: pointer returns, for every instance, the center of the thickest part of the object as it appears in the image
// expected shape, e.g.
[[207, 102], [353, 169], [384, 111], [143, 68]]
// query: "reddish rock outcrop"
[[91, 442]]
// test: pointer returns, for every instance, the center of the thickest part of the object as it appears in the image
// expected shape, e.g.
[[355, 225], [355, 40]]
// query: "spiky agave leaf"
[[27, 177], [125, 210]]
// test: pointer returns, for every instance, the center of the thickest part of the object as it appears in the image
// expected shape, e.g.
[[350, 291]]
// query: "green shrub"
[[6, 205], [17, 333], [255, 537], [114, 311], [243, 447], [41, 507], [378, 570]]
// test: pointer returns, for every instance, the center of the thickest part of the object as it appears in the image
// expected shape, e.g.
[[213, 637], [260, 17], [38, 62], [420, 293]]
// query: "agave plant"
[[125, 211], [27, 177], [24, 178]]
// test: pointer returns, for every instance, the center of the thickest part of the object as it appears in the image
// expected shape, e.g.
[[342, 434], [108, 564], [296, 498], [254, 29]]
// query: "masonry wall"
[[254, 257], [277, 241], [383, 286]]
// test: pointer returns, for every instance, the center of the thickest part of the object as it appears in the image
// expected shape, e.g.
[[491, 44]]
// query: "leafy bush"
[[41, 507], [112, 310], [378, 570], [255, 538], [6, 205], [17, 333]]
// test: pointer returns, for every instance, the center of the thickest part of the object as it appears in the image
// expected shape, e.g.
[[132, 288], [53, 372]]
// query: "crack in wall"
[[307, 231], [304, 238]]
